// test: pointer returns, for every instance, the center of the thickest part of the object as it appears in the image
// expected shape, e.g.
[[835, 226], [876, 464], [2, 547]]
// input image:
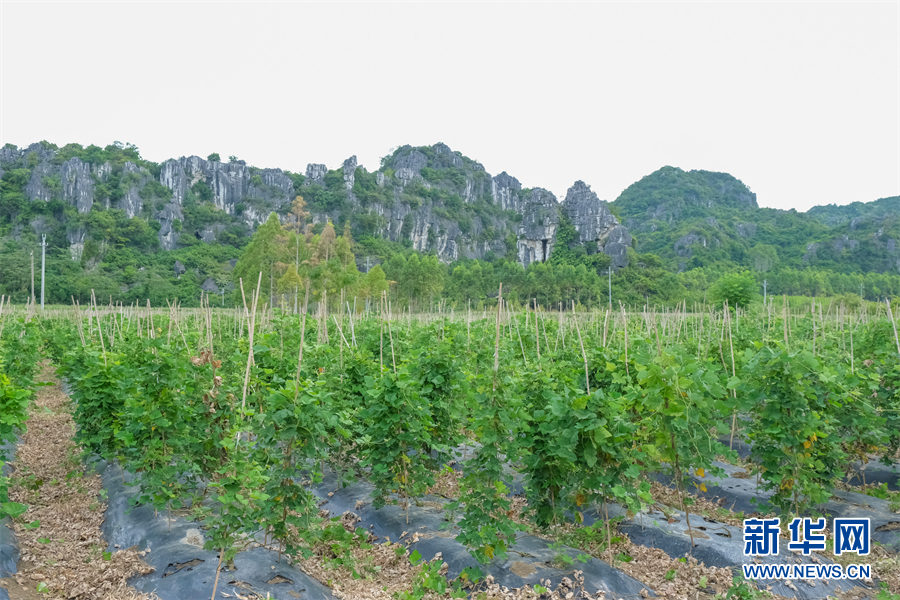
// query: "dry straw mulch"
[[66, 553]]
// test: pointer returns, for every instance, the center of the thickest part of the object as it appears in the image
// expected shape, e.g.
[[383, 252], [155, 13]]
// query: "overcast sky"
[[801, 101]]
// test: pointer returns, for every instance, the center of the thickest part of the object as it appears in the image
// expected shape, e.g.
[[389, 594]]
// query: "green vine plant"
[[795, 409], [397, 438], [684, 401], [19, 351]]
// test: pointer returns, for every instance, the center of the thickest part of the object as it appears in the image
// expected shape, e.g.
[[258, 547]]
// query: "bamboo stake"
[[733, 374], [784, 318], [521, 345], [391, 338], [250, 352], [102, 346], [497, 337], [302, 339], [349, 312], [625, 325], [381, 332], [537, 335], [893, 324], [587, 379], [605, 321]]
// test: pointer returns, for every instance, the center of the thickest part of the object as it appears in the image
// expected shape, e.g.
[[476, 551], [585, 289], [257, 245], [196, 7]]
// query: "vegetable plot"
[[236, 414]]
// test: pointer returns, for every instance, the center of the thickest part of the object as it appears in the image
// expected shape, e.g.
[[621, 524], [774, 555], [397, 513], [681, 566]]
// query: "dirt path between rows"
[[63, 552]]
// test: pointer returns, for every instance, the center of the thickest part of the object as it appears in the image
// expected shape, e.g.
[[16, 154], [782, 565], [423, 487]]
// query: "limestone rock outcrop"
[[594, 222], [316, 172], [37, 188], [209, 286], [537, 232], [76, 236], [433, 199], [131, 201], [172, 175], [168, 233], [505, 191], [349, 167], [77, 184], [231, 183]]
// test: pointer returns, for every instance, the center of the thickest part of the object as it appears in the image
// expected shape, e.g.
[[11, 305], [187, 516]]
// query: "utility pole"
[[764, 292], [32, 277], [367, 264], [222, 291], [861, 292], [43, 257]]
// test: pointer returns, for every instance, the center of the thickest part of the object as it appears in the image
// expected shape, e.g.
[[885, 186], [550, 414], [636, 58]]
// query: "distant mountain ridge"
[[694, 219], [430, 199]]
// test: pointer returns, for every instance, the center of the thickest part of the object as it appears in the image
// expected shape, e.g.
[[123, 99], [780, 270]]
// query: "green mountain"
[[702, 219]]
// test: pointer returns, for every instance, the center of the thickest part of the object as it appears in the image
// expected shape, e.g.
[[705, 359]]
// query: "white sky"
[[801, 101]]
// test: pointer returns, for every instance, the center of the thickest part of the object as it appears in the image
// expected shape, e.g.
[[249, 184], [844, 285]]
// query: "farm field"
[[512, 452]]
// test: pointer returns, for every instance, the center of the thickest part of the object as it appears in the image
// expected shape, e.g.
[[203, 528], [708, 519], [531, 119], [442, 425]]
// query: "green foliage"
[[214, 157], [297, 179], [832, 214], [18, 362], [154, 189], [689, 192], [795, 406], [367, 190], [399, 424], [429, 579], [738, 289], [742, 590], [486, 527], [885, 593], [326, 199], [202, 191], [421, 278], [117, 154], [258, 260], [583, 412], [13, 201], [684, 399], [578, 450]]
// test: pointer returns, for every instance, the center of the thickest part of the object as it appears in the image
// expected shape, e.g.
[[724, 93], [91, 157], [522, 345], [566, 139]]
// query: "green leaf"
[[12, 509], [415, 557]]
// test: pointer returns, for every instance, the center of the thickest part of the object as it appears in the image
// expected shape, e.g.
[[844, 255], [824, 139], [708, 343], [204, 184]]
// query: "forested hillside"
[[438, 224]]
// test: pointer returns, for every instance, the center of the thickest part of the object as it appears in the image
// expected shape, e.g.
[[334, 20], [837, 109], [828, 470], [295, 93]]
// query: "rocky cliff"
[[431, 198], [435, 199]]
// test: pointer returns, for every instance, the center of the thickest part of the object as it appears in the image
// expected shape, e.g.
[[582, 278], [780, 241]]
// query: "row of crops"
[[20, 341], [240, 413]]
